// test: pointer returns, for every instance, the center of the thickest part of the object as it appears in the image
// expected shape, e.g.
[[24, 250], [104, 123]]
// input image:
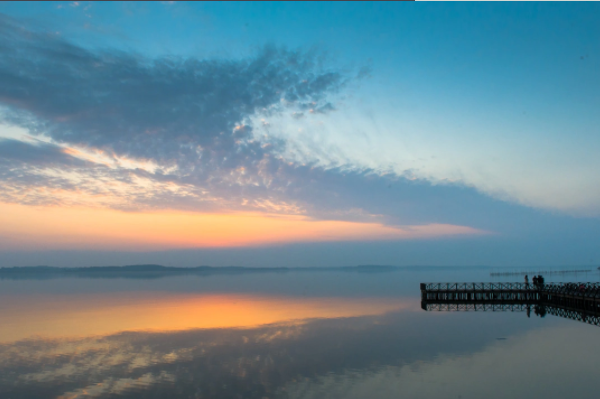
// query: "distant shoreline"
[[155, 271], [199, 269]]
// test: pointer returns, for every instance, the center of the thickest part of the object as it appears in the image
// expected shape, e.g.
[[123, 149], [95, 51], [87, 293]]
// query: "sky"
[[299, 134]]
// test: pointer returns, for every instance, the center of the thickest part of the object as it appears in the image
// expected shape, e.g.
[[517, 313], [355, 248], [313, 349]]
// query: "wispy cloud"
[[188, 118], [167, 108]]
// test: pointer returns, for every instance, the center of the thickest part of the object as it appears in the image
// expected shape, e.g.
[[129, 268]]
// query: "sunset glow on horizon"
[[63, 227]]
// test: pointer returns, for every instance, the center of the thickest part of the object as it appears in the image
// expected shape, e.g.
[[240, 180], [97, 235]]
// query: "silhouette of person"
[[526, 281]]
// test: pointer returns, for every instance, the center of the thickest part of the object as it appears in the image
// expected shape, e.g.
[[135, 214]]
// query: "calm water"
[[282, 335]]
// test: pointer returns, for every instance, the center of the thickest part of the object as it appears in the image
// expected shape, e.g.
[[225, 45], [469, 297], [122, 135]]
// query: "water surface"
[[289, 334]]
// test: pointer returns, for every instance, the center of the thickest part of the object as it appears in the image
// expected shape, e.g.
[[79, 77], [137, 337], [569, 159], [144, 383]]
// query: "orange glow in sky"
[[97, 314], [31, 227]]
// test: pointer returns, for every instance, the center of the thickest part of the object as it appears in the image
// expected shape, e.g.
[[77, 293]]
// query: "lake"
[[285, 334]]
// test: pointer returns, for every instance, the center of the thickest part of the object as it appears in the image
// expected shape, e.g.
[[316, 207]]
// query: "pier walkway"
[[577, 301]]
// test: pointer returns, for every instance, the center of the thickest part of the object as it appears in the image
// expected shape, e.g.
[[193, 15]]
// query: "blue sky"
[[470, 116]]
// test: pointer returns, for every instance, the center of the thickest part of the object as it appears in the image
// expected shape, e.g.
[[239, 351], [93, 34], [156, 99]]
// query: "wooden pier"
[[577, 301]]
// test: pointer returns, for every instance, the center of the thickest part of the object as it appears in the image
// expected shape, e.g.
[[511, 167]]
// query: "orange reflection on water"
[[90, 315]]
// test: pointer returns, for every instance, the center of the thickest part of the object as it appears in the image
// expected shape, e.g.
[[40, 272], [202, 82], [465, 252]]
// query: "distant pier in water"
[[577, 301], [535, 272]]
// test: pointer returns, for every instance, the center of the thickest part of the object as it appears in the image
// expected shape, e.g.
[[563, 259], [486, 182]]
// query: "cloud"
[[42, 173], [164, 108], [185, 115], [41, 153]]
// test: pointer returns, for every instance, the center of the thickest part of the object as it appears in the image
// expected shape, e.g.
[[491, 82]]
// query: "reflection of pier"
[[576, 301]]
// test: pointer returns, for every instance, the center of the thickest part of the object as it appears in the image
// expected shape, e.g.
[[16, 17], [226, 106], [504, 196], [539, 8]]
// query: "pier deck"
[[577, 301]]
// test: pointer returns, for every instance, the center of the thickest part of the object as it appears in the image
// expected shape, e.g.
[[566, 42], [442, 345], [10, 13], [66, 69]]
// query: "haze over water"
[[295, 334]]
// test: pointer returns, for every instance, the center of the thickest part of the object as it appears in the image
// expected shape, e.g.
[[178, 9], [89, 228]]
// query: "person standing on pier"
[[526, 281]]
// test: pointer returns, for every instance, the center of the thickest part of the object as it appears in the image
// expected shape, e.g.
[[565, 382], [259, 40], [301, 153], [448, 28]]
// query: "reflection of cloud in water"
[[267, 361], [111, 386]]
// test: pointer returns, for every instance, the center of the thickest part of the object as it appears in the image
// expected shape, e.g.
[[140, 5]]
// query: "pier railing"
[[476, 286], [591, 290], [579, 289]]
